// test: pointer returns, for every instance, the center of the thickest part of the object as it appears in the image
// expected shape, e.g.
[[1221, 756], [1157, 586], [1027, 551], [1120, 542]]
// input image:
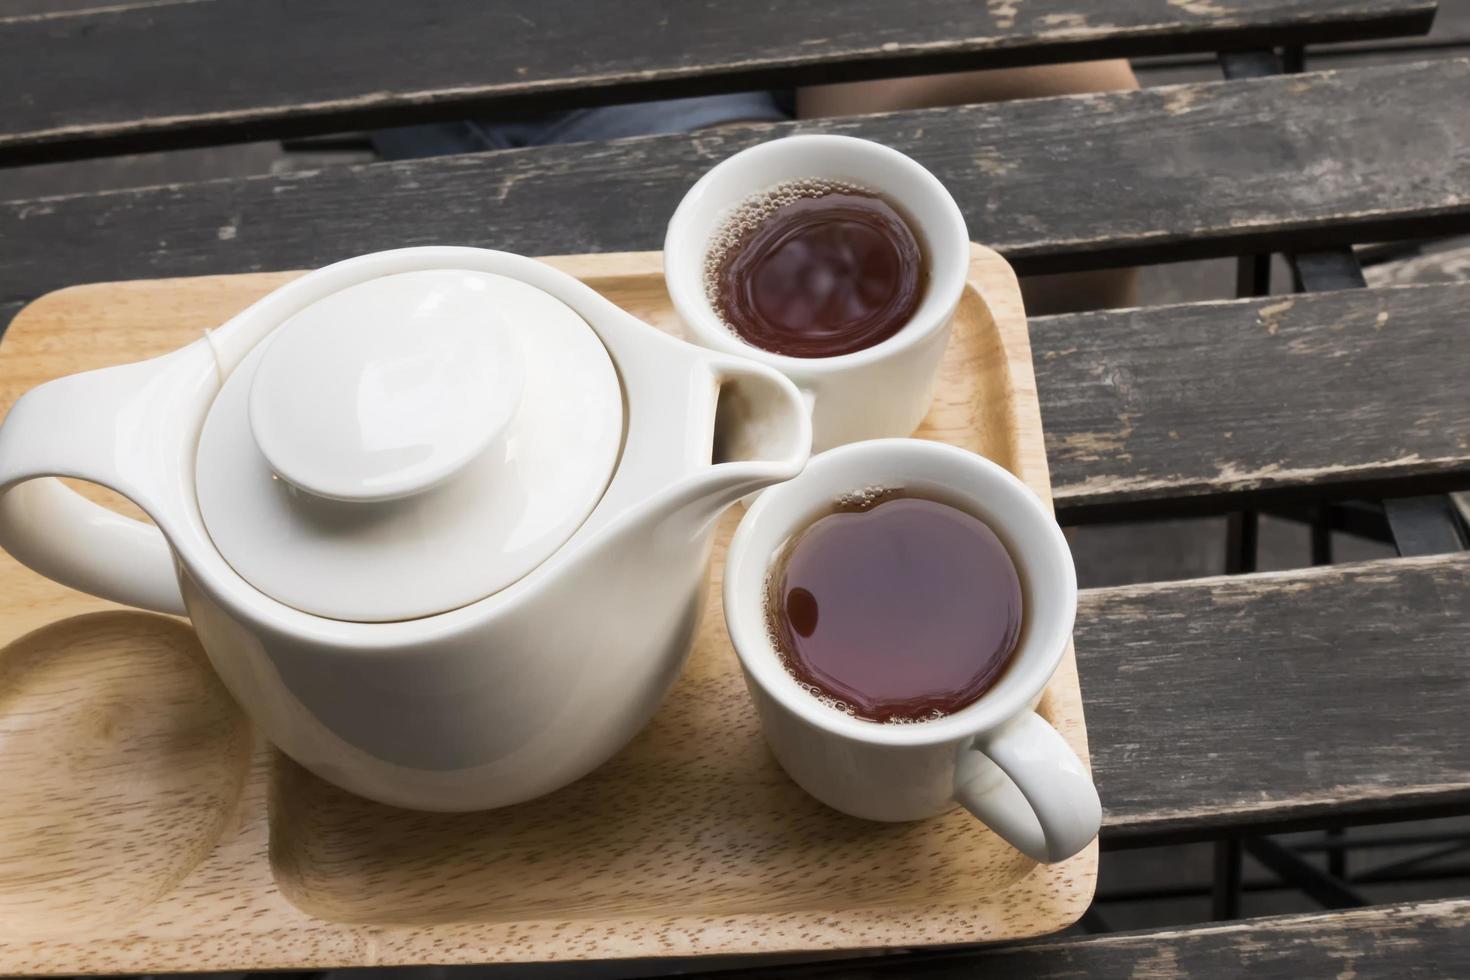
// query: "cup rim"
[[949, 261], [746, 622]]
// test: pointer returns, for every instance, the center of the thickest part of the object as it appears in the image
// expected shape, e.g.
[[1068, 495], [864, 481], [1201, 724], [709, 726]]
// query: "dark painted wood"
[[1296, 163], [1451, 30], [14, 9], [1210, 405], [7, 313], [1261, 702], [198, 71], [1449, 36], [1419, 940]]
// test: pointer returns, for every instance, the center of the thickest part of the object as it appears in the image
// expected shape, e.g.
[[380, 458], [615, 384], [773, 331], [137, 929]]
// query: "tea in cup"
[[836, 260], [895, 608], [907, 724], [815, 268]]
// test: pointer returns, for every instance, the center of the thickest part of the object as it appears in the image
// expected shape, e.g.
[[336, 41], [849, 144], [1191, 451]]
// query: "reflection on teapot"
[[440, 516]]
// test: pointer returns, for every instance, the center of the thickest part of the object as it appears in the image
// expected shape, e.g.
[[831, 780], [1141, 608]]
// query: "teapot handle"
[[54, 530], [105, 427]]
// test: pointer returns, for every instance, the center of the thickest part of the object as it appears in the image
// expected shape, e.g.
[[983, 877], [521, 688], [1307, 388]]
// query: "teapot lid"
[[409, 445]]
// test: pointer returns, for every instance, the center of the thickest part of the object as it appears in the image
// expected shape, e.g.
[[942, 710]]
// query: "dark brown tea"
[[815, 269], [899, 610]]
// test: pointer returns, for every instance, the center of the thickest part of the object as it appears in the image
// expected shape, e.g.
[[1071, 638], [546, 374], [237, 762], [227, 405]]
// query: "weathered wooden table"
[[1219, 709]]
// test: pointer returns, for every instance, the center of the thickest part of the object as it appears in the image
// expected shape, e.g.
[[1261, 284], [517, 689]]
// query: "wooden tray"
[[145, 827]]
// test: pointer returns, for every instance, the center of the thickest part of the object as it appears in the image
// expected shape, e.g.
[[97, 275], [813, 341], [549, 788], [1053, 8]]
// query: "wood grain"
[[1280, 699], [114, 730], [279, 69], [690, 841], [1219, 404], [1291, 163], [1420, 939]]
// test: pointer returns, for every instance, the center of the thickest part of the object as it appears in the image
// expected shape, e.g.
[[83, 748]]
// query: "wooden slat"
[[1417, 939], [1449, 36], [1450, 265], [1451, 30], [30, 8], [1216, 404], [195, 71], [1278, 700], [8, 312], [1282, 163]]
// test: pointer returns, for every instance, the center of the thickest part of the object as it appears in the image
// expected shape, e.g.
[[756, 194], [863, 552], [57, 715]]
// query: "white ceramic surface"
[[883, 390], [997, 757], [489, 704], [389, 387], [451, 430]]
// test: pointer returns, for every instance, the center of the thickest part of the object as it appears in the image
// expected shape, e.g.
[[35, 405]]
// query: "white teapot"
[[440, 516]]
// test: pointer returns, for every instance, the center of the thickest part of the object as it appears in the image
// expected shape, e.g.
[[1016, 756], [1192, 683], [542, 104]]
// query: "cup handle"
[[1048, 808]]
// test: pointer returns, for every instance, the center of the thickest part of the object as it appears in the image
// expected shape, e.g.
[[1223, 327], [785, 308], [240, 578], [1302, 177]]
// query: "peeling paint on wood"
[[1277, 698], [1205, 402], [1227, 176], [553, 53], [1413, 939], [1002, 13]]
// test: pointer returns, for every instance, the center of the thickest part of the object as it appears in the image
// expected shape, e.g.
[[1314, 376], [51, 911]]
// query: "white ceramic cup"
[[883, 390], [997, 757]]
